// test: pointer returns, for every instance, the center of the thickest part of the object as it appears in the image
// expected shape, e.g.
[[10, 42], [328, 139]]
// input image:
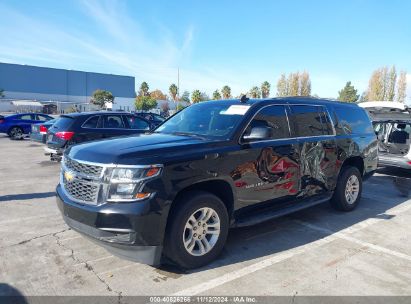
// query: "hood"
[[387, 110], [144, 147]]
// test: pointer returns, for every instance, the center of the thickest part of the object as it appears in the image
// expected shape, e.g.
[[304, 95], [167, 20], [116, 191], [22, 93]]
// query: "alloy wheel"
[[352, 189], [201, 231]]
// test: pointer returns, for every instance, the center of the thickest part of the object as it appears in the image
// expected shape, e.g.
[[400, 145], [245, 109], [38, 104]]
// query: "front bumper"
[[393, 161], [129, 230]]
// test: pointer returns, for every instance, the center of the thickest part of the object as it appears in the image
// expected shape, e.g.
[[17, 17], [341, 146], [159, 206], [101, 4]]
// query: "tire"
[[349, 177], [194, 205], [16, 133]]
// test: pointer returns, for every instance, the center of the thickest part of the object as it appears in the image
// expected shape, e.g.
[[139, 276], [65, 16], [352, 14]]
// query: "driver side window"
[[274, 119]]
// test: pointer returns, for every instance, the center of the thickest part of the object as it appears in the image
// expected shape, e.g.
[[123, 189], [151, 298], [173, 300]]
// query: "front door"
[[267, 170]]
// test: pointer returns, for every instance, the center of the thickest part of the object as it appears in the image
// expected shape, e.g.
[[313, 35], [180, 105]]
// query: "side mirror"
[[258, 133]]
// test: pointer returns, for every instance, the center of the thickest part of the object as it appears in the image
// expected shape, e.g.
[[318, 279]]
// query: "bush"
[[145, 103]]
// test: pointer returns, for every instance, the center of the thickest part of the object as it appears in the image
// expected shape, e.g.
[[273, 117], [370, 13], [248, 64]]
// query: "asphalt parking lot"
[[318, 251]]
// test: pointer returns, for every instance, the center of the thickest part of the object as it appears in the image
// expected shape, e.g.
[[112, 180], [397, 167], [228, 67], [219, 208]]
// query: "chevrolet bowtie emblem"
[[68, 176]]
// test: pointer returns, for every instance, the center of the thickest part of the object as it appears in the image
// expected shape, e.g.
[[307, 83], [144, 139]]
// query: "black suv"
[[77, 128], [175, 193], [155, 119]]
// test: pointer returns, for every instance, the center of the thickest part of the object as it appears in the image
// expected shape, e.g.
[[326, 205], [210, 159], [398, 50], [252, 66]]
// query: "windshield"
[[206, 119]]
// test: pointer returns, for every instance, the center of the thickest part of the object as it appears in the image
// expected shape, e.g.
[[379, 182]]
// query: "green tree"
[[101, 98], [144, 89], [402, 87], [145, 103], [265, 89], [185, 97], [255, 92], [180, 107], [216, 95], [282, 86], [348, 93], [226, 92], [196, 96], [173, 90], [1, 93]]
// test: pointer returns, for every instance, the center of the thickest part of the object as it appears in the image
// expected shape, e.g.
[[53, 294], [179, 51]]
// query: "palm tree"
[[144, 89], [255, 92], [226, 91], [265, 89], [216, 95], [173, 91], [196, 96]]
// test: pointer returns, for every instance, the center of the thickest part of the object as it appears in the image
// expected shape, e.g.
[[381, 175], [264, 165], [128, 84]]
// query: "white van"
[[392, 124]]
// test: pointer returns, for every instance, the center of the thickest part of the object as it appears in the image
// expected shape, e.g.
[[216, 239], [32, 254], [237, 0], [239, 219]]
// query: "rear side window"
[[273, 117], [63, 123], [352, 120], [92, 122], [113, 122], [42, 118], [26, 117], [309, 121]]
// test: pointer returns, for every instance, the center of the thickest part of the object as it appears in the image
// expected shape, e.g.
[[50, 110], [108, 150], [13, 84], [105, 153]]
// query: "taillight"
[[43, 130], [64, 135], [1, 121], [409, 163]]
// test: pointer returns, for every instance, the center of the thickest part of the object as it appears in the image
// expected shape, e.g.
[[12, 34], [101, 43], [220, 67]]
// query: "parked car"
[[392, 124], [153, 118], [18, 125], [39, 131], [76, 128], [215, 165]]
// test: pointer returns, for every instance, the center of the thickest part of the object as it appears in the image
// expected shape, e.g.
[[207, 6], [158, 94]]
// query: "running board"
[[266, 215]]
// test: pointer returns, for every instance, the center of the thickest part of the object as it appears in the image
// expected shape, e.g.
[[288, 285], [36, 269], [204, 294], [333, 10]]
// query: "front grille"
[[85, 169], [82, 182], [86, 192]]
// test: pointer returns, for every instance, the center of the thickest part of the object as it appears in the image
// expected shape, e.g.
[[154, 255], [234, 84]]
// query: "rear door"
[[90, 129], [312, 127], [114, 125]]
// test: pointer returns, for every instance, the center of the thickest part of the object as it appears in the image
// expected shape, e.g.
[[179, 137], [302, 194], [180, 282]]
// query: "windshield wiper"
[[188, 134]]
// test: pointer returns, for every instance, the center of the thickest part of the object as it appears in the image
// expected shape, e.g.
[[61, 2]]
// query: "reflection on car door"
[[312, 127], [267, 171]]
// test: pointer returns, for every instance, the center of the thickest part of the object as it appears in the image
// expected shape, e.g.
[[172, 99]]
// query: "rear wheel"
[[198, 230], [347, 193], [16, 133]]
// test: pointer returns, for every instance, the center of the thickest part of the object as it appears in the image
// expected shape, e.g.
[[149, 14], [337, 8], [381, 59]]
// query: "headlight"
[[126, 183]]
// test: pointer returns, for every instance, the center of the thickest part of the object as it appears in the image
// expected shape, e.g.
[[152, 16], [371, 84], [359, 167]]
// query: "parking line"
[[27, 218], [277, 258], [96, 260], [344, 236], [72, 238], [236, 274], [119, 268]]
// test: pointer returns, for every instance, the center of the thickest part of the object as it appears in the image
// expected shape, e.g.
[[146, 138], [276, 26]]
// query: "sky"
[[239, 43]]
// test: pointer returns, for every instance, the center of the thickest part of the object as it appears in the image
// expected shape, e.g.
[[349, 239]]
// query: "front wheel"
[[198, 230], [16, 133], [347, 193]]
